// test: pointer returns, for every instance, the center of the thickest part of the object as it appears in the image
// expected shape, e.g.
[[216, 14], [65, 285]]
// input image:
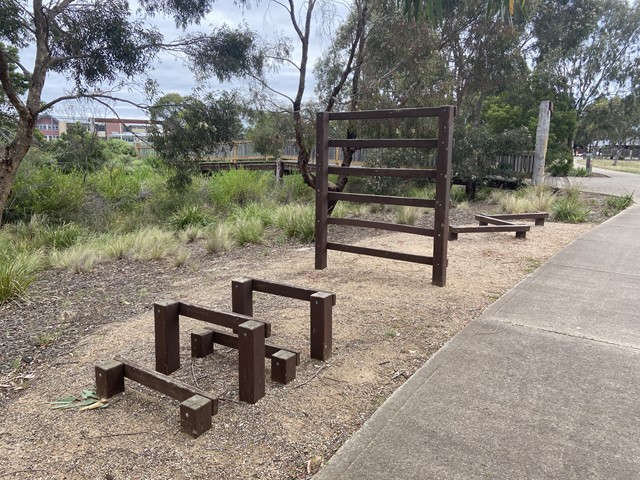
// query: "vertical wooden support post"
[[322, 187], [202, 344], [195, 415], [251, 361], [109, 379], [283, 367], [321, 326], [443, 186], [242, 296], [167, 332]]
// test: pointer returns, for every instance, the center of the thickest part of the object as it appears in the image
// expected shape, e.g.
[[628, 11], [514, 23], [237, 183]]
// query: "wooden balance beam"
[[196, 408], [500, 223], [321, 309]]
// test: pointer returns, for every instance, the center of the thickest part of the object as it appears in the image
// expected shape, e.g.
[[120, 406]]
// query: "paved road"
[[614, 183], [545, 384]]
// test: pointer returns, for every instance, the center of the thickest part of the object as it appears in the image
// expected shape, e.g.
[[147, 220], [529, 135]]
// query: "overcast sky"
[[267, 19]]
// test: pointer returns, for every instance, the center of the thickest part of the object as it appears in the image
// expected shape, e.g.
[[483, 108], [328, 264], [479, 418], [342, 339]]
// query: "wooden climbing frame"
[[442, 175]]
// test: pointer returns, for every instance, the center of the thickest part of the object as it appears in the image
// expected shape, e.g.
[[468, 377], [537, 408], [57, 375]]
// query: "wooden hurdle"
[[249, 340], [500, 223], [196, 407], [321, 309]]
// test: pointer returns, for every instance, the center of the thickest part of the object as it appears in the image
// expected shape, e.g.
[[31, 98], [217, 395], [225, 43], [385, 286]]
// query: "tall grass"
[[296, 221], [247, 230], [540, 197], [238, 187], [408, 215], [17, 273], [219, 239]]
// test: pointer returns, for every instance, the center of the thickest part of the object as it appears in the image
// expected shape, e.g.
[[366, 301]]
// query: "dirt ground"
[[387, 322]]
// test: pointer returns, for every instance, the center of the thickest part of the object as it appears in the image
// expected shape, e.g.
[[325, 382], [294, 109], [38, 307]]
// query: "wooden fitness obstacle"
[[500, 222], [442, 175], [247, 336]]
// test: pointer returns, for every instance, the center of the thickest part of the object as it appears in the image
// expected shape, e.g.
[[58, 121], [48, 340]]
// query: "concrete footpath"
[[544, 384]]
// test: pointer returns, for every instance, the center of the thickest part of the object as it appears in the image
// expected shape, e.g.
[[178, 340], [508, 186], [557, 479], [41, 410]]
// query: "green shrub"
[[560, 167], [47, 190], [239, 187], [570, 209], [578, 172], [17, 273], [260, 211], [458, 195], [617, 204], [248, 230], [190, 215], [293, 189], [39, 234], [296, 221]]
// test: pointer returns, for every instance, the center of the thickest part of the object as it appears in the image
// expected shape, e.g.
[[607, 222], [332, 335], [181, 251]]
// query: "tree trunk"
[[542, 139], [11, 156]]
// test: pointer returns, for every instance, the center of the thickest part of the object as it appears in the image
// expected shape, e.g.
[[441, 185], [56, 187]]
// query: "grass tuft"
[[408, 215], [247, 230], [219, 239], [296, 221]]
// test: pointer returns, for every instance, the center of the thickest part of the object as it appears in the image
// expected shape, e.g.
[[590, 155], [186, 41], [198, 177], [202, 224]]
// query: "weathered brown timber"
[[283, 367], [242, 296], [442, 174], [491, 220], [220, 318], [539, 217], [167, 335], [251, 354], [109, 378], [195, 415], [321, 331]]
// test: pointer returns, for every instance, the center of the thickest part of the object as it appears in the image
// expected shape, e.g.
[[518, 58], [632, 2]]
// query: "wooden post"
[[167, 333], [251, 361], [443, 188], [283, 367], [542, 139], [109, 378], [321, 326], [195, 415], [242, 296], [202, 344], [322, 188]]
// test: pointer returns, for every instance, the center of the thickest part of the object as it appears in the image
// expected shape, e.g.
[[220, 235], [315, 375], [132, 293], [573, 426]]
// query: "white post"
[[542, 139]]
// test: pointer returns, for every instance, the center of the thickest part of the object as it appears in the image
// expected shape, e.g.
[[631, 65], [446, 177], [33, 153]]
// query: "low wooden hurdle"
[[247, 336], [321, 309], [197, 406], [500, 222], [249, 341]]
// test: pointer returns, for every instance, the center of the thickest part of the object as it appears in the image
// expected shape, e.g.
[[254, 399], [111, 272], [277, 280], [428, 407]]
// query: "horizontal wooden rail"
[[230, 340], [284, 290], [539, 217], [372, 252], [384, 172], [384, 143], [491, 228], [381, 114], [162, 383], [393, 227], [383, 199], [489, 219], [223, 319]]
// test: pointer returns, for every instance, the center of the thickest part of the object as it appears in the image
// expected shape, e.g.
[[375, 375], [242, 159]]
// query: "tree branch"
[[7, 85]]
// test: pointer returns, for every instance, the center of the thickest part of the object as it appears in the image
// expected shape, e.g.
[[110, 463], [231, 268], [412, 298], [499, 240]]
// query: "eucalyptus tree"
[[97, 44]]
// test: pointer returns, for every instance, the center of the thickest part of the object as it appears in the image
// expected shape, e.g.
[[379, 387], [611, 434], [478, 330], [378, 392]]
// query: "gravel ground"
[[388, 321]]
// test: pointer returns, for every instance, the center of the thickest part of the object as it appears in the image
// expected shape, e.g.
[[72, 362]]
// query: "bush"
[[510, 203], [219, 239], [296, 221], [293, 189], [408, 215], [153, 244], [617, 204], [578, 172], [561, 166], [260, 211], [17, 273], [570, 209], [47, 191], [39, 234], [248, 230], [239, 187], [540, 197], [187, 216]]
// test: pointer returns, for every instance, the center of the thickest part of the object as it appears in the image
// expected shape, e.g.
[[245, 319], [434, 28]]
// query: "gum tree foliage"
[[98, 45], [192, 127]]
